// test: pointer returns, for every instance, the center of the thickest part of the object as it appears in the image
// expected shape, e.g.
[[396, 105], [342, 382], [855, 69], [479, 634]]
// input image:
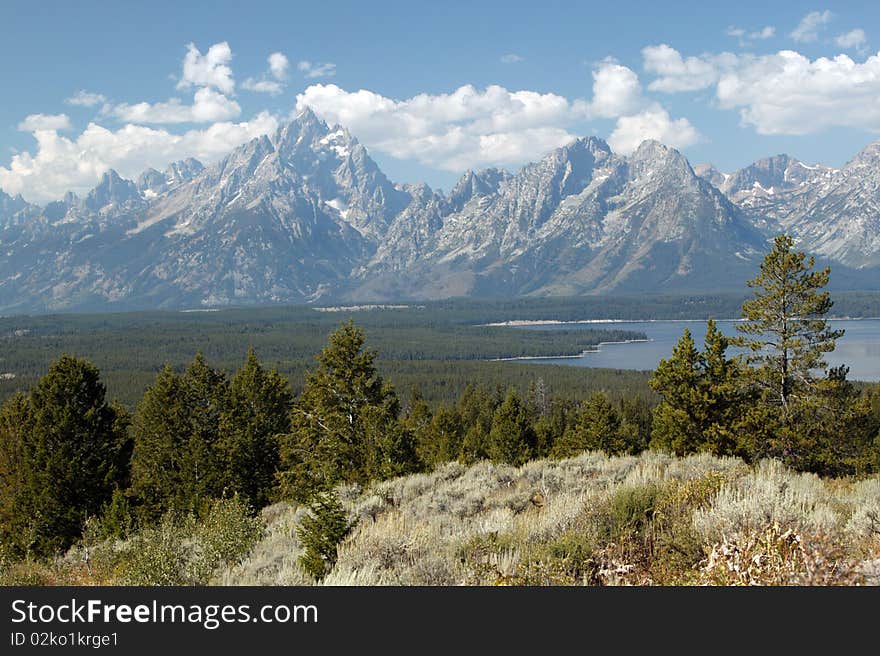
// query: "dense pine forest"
[[200, 449]]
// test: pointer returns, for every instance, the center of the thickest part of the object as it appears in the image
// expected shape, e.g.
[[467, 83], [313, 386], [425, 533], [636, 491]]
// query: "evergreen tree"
[[511, 438], [338, 424], [72, 452], [476, 408], [160, 430], [442, 439], [800, 410], [15, 429], [552, 425], [678, 419], [724, 397], [320, 533], [786, 329], [597, 427], [178, 461], [701, 397], [257, 413], [205, 396]]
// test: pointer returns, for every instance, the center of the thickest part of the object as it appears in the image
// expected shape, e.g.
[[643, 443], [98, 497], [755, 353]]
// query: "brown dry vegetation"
[[643, 520], [651, 519]]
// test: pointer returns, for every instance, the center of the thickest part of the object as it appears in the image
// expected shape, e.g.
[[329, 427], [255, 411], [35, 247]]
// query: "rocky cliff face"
[[306, 214]]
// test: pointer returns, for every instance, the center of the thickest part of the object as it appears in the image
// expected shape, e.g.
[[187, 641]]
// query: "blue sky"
[[431, 88]]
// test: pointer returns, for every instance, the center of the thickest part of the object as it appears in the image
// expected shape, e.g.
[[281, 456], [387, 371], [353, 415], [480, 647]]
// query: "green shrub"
[[320, 533], [184, 551], [157, 555], [223, 538]]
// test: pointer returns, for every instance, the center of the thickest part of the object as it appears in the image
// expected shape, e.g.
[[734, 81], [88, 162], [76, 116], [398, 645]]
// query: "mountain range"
[[305, 215]]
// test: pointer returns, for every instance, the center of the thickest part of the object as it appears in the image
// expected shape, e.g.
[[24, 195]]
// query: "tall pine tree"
[[343, 428], [66, 450], [258, 411]]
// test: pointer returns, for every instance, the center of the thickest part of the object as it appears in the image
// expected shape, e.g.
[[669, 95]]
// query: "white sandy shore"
[[560, 357]]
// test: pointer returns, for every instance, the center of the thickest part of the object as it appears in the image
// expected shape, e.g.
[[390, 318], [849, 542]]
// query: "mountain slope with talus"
[[305, 214]]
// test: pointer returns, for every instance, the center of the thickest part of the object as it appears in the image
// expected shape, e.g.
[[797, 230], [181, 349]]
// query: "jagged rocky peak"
[[711, 174], [183, 170], [769, 173], [653, 157], [581, 155], [564, 172], [307, 132], [11, 204], [868, 157], [474, 184], [112, 190], [151, 181]]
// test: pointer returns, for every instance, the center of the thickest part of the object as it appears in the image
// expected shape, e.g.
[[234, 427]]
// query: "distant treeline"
[[415, 344]]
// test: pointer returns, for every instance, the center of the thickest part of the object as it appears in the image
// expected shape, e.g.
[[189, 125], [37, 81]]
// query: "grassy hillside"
[[591, 520], [646, 520]]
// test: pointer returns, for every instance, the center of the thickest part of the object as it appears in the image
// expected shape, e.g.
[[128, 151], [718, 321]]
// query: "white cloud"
[[208, 106], [83, 98], [208, 70], [853, 39], [678, 74], [652, 123], [616, 90], [745, 37], [312, 70], [469, 127], [278, 64], [788, 93], [35, 122], [511, 58], [270, 82], [462, 129], [263, 85], [61, 164], [810, 25]]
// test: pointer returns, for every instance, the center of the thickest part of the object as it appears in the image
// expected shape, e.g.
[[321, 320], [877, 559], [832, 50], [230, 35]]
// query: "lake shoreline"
[[597, 349], [557, 322]]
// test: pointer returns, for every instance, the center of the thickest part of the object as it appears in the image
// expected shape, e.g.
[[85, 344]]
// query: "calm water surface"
[[859, 347]]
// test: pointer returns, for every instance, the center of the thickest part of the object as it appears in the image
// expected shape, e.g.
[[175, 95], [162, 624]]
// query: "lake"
[[859, 347]]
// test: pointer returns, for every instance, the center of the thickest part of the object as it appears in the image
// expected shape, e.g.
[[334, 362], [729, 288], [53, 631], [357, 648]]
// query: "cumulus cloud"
[[60, 163], [470, 127], [511, 58], [453, 131], [83, 98], [855, 39], [208, 106], [313, 70], [616, 90], [808, 29], [278, 64], [35, 122], [653, 122], [271, 82], [208, 70], [787, 93], [676, 73]]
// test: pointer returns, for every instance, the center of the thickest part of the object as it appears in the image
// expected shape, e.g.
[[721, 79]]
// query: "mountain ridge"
[[306, 214]]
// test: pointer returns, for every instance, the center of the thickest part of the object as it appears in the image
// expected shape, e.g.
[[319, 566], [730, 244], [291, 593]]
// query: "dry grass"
[[639, 520], [651, 519]]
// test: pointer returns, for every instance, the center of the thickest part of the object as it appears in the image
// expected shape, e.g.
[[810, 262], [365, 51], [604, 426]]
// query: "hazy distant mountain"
[[834, 213], [306, 214]]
